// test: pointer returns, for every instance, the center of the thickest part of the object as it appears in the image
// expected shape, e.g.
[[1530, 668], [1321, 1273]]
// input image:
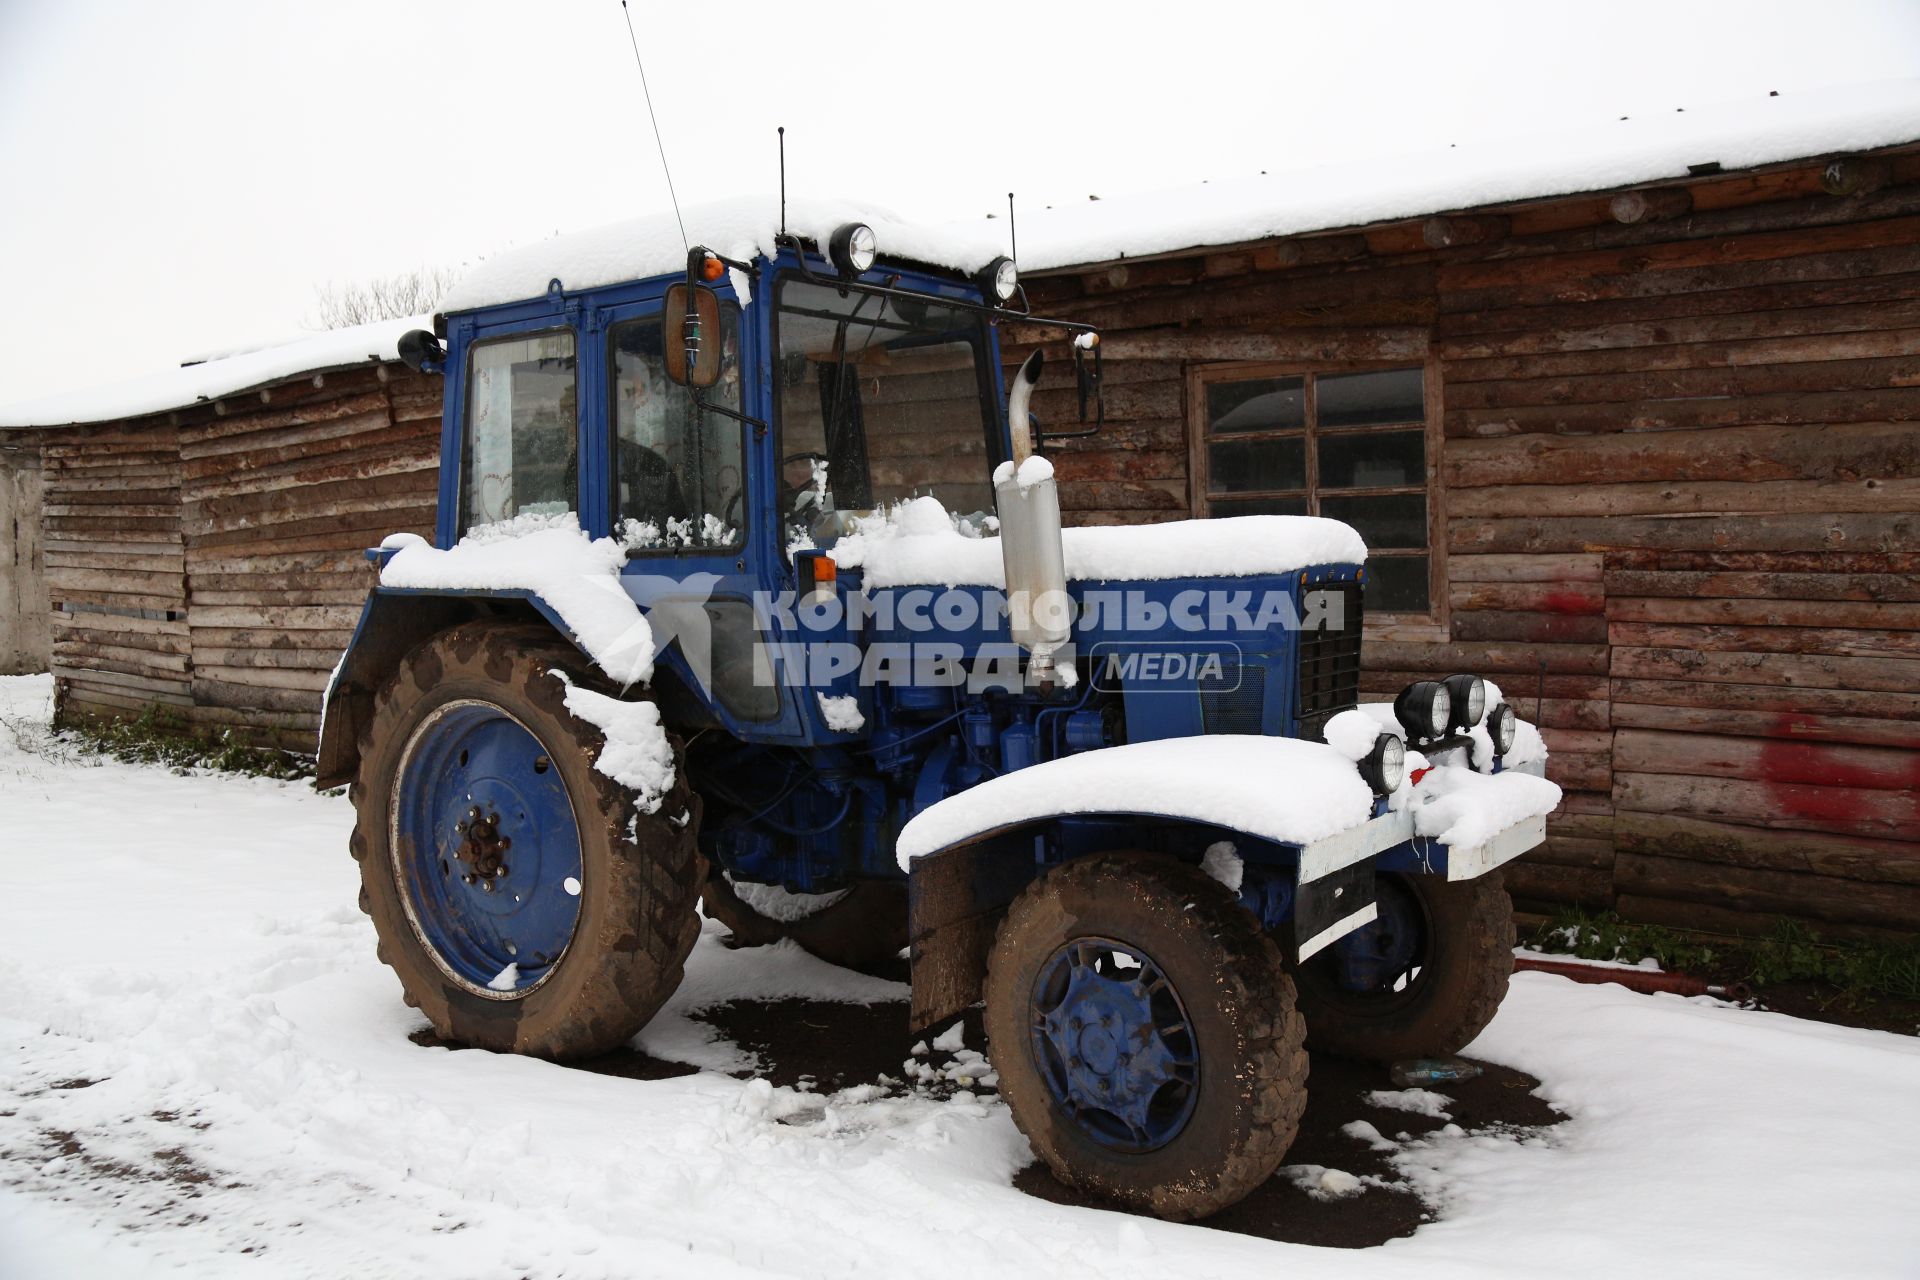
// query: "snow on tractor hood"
[[919, 543], [1281, 789]]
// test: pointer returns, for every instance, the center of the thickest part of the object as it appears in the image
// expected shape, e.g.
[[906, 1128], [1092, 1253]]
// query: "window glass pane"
[[1257, 506], [1251, 465], [880, 400], [676, 473], [1258, 404], [1353, 399], [1373, 460], [1397, 520], [1397, 584], [522, 428]]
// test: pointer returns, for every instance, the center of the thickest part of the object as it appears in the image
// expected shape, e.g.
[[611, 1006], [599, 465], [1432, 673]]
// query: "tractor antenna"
[[648, 95], [783, 180], [1013, 233]]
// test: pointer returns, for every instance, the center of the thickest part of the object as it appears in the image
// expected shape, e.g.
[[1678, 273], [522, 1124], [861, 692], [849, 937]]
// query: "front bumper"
[[1337, 871]]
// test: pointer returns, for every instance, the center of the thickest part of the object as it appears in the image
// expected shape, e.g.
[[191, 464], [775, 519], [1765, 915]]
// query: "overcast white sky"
[[179, 177]]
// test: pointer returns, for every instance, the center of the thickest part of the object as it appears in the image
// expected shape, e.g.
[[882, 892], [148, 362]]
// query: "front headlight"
[[1469, 694], [1385, 765], [1424, 709], [998, 279], [852, 248], [1501, 726]]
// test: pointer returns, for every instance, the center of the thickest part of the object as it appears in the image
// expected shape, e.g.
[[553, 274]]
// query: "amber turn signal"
[[712, 269]]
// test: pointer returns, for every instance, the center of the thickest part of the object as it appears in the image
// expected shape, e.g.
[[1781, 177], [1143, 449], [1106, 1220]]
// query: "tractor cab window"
[[677, 476], [522, 429], [880, 400]]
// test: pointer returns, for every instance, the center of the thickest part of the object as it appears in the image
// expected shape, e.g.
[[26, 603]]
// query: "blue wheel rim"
[[1113, 1043], [486, 849]]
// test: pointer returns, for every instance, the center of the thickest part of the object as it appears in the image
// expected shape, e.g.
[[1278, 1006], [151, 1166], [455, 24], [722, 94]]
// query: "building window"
[[1352, 446]]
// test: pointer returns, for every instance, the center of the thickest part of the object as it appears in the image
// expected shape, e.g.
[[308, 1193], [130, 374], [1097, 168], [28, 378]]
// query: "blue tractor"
[[1115, 783]]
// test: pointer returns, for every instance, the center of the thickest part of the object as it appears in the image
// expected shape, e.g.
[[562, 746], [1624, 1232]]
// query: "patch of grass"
[[158, 737], [1789, 953]]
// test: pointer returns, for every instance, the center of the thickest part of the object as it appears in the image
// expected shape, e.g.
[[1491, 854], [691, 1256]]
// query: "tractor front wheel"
[[1144, 1031], [523, 899], [1422, 980]]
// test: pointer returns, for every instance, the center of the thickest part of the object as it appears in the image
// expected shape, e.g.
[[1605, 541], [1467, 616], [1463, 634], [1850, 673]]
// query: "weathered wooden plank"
[[1738, 611], [1554, 596], [1877, 531], [292, 618], [1529, 626], [129, 682], [267, 638], [1884, 905], [1533, 880], [1596, 323], [1776, 697], [80, 691], [1823, 854], [1525, 568], [1687, 383], [213, 659], [1788, 725], [1813, 408], [266, 676], [1683, 584], [1816, 671], [224, 693], [1841, 450], [1581, 771], [1575, 659], [1870, 342], [1765, 760], [1860, 811], [1839, 641]]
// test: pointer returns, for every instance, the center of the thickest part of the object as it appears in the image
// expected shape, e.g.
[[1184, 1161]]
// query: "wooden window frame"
[[1432, 625]]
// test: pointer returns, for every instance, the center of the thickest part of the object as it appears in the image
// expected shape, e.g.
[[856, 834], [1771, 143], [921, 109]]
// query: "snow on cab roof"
[[209, 380], [1632, 150], [741, 228]]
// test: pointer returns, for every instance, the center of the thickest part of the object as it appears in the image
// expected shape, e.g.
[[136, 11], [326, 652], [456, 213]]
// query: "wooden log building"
[[1647, 457]]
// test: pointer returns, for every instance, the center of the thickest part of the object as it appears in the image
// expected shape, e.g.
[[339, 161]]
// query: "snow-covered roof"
[[1626, 152], [191, 384], [740, 228]]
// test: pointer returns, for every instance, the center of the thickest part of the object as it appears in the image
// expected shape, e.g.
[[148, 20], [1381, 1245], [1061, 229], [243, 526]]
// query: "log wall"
[[211, 560], [116, 575], [282, 491], [1680, 489]]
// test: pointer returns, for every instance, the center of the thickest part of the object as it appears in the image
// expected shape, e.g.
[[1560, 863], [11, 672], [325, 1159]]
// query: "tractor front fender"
[[393, 622]]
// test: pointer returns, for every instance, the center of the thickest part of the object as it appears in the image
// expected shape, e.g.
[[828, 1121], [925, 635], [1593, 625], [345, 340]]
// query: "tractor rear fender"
[[391, 625]]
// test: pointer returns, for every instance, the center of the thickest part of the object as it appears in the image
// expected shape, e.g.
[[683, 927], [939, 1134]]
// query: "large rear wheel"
[[1144, 1031], [1421, 981], [524, 899]]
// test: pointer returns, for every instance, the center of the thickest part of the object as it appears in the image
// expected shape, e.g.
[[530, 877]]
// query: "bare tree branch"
[[409, 293]]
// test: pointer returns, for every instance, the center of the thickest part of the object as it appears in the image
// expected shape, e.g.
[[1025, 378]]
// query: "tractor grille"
[[1234, 702], [1329, 659]]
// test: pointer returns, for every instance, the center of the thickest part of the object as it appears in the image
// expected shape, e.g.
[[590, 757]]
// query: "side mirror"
[[421, 352], [692, 315]]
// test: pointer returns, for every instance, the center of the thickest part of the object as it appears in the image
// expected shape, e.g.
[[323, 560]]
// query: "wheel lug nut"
[[468, 878], [502, 872], [486, 886]]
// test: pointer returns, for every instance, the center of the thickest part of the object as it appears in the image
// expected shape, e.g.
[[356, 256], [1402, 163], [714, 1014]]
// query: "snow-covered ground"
[[190, 946]]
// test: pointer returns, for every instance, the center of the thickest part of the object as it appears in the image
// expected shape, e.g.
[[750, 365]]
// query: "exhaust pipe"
[[1030, 546]]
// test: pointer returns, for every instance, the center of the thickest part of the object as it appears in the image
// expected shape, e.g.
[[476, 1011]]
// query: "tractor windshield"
[[880, 399]]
